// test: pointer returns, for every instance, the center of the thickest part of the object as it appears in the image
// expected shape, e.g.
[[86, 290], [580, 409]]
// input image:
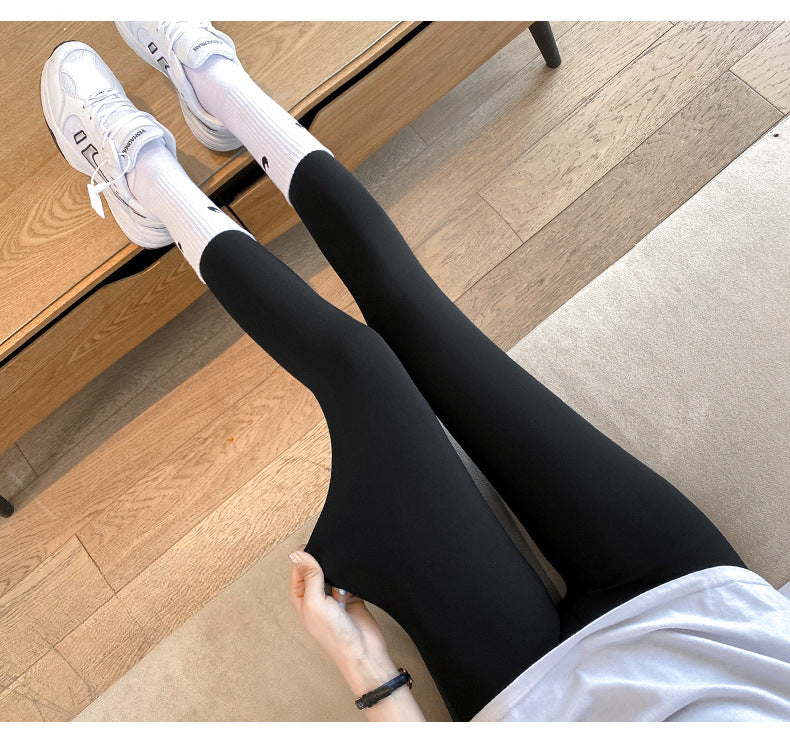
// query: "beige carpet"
[[679, 352]]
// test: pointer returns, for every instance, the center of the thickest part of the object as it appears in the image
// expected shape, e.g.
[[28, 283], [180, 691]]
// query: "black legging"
[[404, 525]]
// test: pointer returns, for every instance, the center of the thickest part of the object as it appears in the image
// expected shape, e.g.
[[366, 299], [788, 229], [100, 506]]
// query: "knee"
[[359, 350]]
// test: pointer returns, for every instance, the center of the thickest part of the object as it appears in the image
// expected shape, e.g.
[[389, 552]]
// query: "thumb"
[[311, 573]]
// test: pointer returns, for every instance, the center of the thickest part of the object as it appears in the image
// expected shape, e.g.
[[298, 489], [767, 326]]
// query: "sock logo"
[[264, 162], [299, 124], [214, 209]]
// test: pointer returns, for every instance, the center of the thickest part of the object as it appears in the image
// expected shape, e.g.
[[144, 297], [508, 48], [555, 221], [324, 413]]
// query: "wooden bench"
[[76, 295]]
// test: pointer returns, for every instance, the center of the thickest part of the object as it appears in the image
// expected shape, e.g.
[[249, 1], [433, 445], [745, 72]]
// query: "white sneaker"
[[169, 46], [100, 133]]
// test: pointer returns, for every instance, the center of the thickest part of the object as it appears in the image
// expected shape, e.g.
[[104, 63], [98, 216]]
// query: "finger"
[[312, 575], [297, 587]]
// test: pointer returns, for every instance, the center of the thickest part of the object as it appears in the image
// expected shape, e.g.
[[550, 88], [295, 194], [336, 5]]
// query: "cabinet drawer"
[[89, 338]]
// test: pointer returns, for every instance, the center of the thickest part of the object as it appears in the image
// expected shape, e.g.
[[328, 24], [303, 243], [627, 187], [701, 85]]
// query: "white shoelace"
[[103, 105], [106, 103], [95, 189]]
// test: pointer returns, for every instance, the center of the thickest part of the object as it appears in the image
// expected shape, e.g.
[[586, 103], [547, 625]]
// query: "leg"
[[610, 525], [544, 38], [401, 510]]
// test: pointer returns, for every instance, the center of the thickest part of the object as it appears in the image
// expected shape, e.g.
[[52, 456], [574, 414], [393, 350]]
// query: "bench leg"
[[6, 509], [544, 38]]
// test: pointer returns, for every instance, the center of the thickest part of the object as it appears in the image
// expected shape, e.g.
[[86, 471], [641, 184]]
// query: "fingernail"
[[340, 591], [295, 558]]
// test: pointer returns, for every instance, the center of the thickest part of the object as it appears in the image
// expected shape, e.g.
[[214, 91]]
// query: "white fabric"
[[710, 646], [273, 137], [165, 190]]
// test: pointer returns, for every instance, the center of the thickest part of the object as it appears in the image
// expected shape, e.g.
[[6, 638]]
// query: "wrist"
[[364, 674]]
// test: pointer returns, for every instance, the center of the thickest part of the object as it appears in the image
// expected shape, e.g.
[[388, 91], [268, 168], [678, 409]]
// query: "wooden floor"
[[182, 464]]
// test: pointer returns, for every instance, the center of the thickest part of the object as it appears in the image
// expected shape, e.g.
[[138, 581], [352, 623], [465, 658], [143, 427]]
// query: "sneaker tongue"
[[133, 137], [195, 46]]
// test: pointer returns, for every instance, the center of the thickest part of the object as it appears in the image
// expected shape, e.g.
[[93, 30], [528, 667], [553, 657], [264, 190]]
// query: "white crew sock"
[[159, 183], [271, 134]]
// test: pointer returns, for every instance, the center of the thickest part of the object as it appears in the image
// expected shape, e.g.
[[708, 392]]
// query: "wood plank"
[[47, 247], [76, 671], [15, 472], [378, 168], [475, 89], [90, 338], [247, 525], [51, 690], [521, 112], [618, 211], [766, 68], [53, 507], [182, 489], [293, 60], [58, 595], [15, 708], [471, 241], [104, 647], [179, 491], [264, 211], [616, 120], [26, 46]]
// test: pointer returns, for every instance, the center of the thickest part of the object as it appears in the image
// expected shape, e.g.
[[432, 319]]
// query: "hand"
[[350, 635]]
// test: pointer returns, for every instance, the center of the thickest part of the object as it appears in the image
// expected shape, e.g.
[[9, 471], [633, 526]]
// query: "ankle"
[[152, 157], [211, 79]]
